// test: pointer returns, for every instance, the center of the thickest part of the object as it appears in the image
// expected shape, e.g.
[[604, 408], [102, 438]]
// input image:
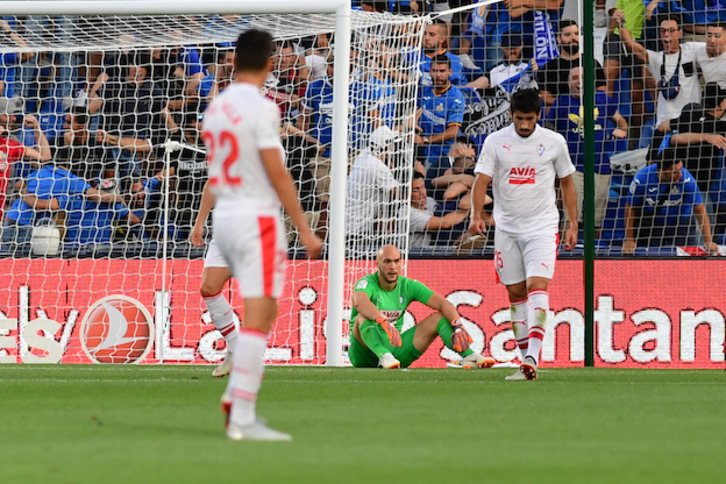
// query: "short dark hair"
[[417, 175], [440, 24], [564, 23], [441, 59], [253, 51], [140, 58], [677, 18], [377, 5], [713, 95], [717, 24], [80, 113], [526, 101], [670, 156]]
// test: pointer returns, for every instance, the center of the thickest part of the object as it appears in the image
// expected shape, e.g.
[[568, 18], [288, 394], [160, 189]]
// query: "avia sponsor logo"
[[117, 329], [392, 316], [522, 176]]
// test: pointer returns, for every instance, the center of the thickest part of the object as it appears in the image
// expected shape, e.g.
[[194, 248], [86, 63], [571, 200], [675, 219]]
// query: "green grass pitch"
[[123, 424]]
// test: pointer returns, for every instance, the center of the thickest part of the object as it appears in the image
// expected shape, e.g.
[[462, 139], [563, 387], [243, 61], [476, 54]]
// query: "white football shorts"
[[255, 248], [518, 257], [214, 256]]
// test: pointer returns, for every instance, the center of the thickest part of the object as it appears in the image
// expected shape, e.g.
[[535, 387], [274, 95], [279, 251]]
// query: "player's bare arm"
[[364, 305], [442, 305], [569, 196], [478, 200], [287, 193], [204, 208], [705, 223], [629, 244]]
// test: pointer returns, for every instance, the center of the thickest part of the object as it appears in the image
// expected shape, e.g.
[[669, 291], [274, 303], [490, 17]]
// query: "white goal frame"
[[341, 9]]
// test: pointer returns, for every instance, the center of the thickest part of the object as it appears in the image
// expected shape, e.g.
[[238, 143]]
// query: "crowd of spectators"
[[83, 135]]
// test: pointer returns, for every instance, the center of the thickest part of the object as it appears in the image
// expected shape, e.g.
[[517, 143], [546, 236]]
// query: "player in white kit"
[[521, 161], [250, 185], [215, 276]]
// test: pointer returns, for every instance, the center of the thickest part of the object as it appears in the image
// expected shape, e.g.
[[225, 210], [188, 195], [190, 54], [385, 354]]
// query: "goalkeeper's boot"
[[224, 368], [476, 360], [529, 368], [389, 362], [256, 431]]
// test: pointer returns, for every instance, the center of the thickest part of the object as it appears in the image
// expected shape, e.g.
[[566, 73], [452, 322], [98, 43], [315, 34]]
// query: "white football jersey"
[[523, 174], [237, 125]]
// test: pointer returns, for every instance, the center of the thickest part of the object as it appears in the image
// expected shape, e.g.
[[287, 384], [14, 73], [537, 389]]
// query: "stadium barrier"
[[649, 313]]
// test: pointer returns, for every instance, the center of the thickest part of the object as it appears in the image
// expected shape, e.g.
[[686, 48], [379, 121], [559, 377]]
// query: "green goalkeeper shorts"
[[362, 357]]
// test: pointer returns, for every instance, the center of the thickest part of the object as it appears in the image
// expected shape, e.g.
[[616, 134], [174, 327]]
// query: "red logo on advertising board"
[[117, 329]]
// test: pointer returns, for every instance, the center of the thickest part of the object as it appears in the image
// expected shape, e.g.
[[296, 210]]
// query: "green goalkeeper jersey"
[[391, 303]]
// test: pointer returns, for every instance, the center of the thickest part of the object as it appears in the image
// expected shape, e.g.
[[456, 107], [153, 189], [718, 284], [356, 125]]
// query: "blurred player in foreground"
[[215, 275], [249, 183], [522, 161], [379, 302]]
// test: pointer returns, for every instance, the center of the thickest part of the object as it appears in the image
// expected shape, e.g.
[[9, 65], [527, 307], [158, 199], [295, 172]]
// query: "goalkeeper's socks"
[[519, 310], [222, 318], [246, 376], [539, 304], [370, 332], [444, 329]]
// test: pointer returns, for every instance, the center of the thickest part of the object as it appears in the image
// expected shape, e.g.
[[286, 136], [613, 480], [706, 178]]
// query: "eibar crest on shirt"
[[540, 150], [522, 175]]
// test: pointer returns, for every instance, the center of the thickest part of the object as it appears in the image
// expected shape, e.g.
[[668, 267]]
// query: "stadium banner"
[[649, 313]]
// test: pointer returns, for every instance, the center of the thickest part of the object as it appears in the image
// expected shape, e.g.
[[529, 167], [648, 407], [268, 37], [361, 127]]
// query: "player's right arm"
[[204, 208], [272, 160], [478, 200]]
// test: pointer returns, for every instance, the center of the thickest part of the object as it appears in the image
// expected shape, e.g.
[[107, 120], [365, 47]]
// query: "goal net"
[[103, 170]]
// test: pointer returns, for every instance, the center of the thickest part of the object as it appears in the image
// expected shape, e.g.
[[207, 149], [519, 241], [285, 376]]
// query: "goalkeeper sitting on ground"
[[379, 302]]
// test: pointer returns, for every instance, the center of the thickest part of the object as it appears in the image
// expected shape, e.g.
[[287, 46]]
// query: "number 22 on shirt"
[[226, 142]]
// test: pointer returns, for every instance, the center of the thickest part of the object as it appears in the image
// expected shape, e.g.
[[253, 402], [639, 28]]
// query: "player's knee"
[[207, 289]]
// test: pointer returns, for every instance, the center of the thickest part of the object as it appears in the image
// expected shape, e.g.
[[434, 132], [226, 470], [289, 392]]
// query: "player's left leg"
[[215, 275], [437, 325], [213, 280], [539, 255]]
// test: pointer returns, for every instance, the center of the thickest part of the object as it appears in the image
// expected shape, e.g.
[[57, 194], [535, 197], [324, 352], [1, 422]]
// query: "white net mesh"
[[98, 204]]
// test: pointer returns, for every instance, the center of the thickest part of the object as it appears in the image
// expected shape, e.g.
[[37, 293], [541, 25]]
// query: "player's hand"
[[394, 336], [477, 226], [460, 340], [711, 247], [571, 237], [197, 236], [312, 244], [629, 247]]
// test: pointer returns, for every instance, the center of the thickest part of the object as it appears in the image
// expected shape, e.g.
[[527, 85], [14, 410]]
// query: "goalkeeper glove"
[[393, 335], [460, 339]]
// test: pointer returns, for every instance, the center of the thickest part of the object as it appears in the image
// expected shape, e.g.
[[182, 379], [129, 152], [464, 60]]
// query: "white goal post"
[[341, 8]]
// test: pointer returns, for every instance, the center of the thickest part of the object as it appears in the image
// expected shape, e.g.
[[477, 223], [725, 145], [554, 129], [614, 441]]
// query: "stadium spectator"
[[701, 129], [711, 58], [10, 61], [553, 77], [376, 323], [127, 100], [78, 150], [566, 117], [513, 64], [424, 226], [288, 79], [537, 25], [12, 152], [370, 184], [674, 68], [439, 117], [478, 49], [46, 183], [435, 38], [617, 59], [697, 15], [662, 201], [219, 76]]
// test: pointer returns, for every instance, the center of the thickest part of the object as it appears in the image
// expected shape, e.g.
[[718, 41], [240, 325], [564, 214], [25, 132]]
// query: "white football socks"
[[519, 325], [222, 318], [245, 381], [539, 304]]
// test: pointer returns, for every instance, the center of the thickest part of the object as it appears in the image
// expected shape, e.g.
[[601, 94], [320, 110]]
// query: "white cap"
[[382, 137]]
